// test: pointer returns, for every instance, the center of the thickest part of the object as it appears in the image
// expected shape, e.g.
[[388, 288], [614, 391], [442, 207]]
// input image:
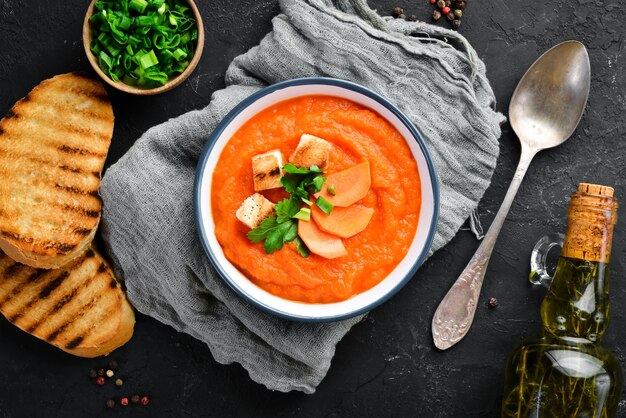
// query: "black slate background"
[[387, 365]]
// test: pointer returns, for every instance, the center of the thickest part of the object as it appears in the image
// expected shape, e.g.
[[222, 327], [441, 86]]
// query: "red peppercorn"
[[145, 401], [432, 1], [124, 401], [445, 10], [100, 381]]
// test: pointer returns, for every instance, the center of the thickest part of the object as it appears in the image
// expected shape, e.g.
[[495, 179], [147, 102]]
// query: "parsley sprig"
[[282, 228]]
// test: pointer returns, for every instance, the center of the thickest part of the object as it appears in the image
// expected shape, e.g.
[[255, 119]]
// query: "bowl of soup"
[[357, 172]]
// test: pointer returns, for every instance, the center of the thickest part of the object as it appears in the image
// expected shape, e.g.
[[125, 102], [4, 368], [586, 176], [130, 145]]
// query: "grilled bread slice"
[[53, 144], [79, 308]]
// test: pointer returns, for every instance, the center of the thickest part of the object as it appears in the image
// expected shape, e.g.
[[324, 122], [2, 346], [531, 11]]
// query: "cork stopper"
[[598, 189], [591, 216]]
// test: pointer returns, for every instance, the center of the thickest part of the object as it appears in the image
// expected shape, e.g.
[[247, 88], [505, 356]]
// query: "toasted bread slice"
[[267, 170], [79, 308], [254, 209], [311, 150], [53, 144]]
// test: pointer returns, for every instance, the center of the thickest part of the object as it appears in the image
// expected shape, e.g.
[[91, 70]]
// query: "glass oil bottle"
[[565, 373]]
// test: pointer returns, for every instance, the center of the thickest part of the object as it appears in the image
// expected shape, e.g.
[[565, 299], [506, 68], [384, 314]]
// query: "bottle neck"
[[576, 307]]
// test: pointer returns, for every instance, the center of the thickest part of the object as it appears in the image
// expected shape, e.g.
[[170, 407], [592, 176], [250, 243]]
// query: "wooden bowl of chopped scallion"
[[143, 46]]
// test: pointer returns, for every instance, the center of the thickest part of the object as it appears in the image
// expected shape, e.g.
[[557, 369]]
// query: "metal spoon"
[[544, 111]]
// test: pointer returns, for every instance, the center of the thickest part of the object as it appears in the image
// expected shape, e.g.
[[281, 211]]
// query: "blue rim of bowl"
[[301, 82]]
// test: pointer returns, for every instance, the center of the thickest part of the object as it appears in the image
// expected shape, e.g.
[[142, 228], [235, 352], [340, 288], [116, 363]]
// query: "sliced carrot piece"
[[320, 243], [351, 185], [343, 222]]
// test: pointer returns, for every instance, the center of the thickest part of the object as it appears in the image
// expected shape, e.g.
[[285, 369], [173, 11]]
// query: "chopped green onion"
[[179, 54], [307, 201], [331, 190], [143, 42], [304, 214], [138, 5], [148, 60], [324, 205]]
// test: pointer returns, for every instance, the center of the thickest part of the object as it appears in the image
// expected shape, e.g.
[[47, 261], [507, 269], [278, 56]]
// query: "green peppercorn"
[[441, 4], [397, 11], [458, 13], [460, 4], [450, 16], [119, 382], [110, 404], [436, 15], [100, 372], [135, 399], [448, 3], [456, 23]]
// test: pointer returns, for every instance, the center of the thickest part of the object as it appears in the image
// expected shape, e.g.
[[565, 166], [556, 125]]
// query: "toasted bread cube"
[[266, 169], [254, 209], [311, 150]]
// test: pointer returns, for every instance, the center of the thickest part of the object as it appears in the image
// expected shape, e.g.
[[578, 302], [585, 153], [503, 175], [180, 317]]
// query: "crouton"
[[311, 150], [266, 169], [254, 209]]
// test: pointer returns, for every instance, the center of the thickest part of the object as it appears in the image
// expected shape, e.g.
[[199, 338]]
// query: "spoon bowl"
[[550, 99], [544, 111]]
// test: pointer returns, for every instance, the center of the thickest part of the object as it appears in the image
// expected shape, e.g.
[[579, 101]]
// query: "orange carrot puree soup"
[[356, 135]]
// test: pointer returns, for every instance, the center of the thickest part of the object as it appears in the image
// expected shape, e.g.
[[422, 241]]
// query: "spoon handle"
[[455, 313]]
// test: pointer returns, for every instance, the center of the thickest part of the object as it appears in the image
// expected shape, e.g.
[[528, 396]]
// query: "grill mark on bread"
[[83, 211], [113, 283], [58, 306], [101, 268], [82, 310], [89, 254], [74, 343], [33, 277], [82, 231], [76, 190], [44, 293], [80, 151]]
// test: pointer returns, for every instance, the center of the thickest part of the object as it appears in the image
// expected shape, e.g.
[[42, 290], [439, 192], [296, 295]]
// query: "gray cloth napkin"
[[432, 74]]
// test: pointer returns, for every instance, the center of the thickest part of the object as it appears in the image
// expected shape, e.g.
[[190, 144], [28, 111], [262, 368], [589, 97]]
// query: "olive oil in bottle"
[[565, 373]]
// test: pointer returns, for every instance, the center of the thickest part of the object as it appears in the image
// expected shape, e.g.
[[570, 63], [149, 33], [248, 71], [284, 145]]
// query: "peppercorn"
[[460, 5], [448, 3], [110, 404], [100, 372], [145, 401], [412, 18], [397, 11], [450, 16], [124, 401], [445, 10], [493, 302], [432, 1], [119, 382], [135, 399], [110, 373], [93, 373], [436, 15], [113, 364], [456, 23], [441, 4], [100, 381], [458, 13]]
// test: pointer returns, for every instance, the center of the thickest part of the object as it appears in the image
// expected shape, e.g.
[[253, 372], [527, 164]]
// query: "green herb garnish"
[[282, 228], [324, 205], [143, 42], [331, 190]]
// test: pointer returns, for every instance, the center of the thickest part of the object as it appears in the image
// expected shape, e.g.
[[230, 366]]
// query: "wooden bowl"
[[173, 82]]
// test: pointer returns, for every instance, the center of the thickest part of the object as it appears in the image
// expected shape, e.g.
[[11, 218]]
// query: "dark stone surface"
[[387, 365]]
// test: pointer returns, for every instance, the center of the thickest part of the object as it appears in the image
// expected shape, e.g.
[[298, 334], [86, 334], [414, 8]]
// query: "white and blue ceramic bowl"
[[305, 311]]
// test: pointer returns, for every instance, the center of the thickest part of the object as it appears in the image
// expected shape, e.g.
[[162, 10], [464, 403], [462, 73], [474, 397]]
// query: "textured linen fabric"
[[432, 74]]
